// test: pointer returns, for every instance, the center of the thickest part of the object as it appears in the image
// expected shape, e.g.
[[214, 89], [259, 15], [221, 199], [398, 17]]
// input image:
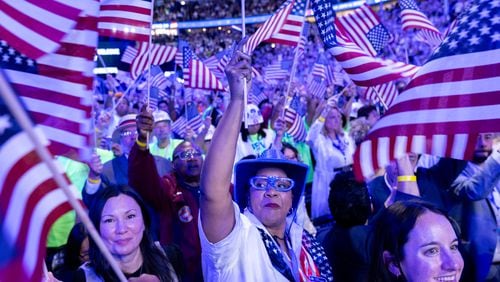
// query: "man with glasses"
[[115, 171], [174, 197], [256, 237]]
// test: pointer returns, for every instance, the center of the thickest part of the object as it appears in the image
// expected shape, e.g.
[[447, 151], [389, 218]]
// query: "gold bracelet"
[[94, 181], [407, 178], [141, 144], [321, 119]]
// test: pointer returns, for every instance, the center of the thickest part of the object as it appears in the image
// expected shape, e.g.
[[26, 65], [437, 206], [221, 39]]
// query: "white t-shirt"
[[242, 255]]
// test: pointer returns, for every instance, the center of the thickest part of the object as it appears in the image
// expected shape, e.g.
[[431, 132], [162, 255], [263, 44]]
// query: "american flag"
[[412, 17], [290, 32], [454, 97], [317, 87], [282, 27], [158, 83], [296, 127], [192, 118], [364, 28], [325, 18], [362, 68], [365, 70], [196, 73], [125, 19], [257, 94], [30, 201], [217, 63], [129, 54], [36, 28], [299, 50], [386, 91], [56, 88], [160, 55], [323, 69], [301, 45], [158, 78], [277, 70], [340, 78]]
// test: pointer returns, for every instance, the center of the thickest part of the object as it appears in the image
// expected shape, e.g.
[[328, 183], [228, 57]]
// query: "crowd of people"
[[174, 205]]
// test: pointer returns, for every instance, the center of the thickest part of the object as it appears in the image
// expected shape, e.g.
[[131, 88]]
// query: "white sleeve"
[[224, 254]]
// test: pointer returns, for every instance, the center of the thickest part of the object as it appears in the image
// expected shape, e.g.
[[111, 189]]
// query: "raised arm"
[[142, 171], [216, 206]]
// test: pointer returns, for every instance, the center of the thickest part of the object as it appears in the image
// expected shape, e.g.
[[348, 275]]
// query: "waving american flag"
[[36, 28], [283, 27], [412, 17], [454, 97], [56, 88]]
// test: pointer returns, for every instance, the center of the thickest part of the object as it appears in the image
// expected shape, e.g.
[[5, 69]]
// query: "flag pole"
[[150, 58], [26, 125], [245, 88], [126, 92], [295, 57], [380, 98]]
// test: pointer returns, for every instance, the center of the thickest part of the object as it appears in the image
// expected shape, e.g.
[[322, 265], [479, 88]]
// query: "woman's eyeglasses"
[[280, 184]]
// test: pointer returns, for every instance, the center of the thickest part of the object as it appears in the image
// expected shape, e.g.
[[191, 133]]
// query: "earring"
[[290, 212]]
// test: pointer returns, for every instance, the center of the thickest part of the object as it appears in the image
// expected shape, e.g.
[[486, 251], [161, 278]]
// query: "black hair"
[[286, 145], [245, 133], [349, 200], [366, 110], [72, 249], [391, 229], [154, 260], [265, 101], [162, 102]]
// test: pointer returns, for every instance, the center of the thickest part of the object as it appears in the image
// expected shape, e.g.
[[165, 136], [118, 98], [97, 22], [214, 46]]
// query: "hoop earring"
[[290, 212]]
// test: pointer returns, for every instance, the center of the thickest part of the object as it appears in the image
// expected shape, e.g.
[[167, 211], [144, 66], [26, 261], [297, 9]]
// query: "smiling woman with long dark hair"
[[120, 216]]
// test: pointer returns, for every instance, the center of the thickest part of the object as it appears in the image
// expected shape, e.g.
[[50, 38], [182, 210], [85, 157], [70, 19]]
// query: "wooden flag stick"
[[245, 88], [295, 59], [380, 98], [27, 126]]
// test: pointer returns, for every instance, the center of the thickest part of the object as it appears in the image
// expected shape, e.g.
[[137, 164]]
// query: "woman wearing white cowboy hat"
[[263, 243]]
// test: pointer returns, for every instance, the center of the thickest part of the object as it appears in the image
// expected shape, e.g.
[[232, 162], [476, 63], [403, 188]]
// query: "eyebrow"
[[114, 215], [436, 243]]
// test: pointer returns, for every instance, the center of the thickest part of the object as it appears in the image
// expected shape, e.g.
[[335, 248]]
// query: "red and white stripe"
[[445, 106], [270, 27], [125, 19], [199, 76], [36, 28], [308, 267], [30, 202], [387, 92], [275, 72], [160, 55], [290, 32], [319, 70], [129, 54], [297, 128], [357, 24], [301, 46], [317, 88], [411, 18], [365, 70], [59, 97]]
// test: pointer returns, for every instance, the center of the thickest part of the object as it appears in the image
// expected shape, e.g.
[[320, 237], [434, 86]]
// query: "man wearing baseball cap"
[[165, 144]]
